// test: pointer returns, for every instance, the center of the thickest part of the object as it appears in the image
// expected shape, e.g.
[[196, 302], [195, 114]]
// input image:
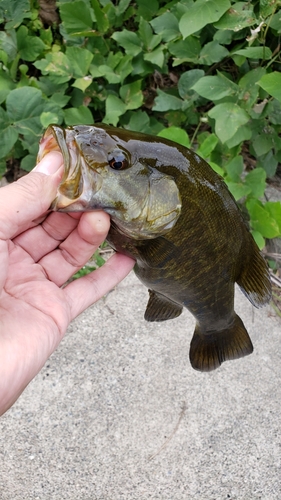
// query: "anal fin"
[[160, 308], [208, 351]]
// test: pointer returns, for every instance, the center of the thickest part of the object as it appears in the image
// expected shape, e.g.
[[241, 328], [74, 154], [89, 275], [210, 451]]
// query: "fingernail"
[[50, 163]]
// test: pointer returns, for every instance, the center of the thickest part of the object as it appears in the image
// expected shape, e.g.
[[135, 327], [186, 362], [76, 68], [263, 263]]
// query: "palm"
[[31, 298], [38, 265]]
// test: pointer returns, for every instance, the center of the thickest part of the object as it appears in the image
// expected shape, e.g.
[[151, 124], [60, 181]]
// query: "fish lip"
[[79, 181], [59, 135], [55, 132], [54, 139]]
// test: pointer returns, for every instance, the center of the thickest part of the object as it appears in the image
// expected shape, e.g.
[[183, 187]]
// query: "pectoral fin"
[[158, 252], [159, 308], [207, 352]]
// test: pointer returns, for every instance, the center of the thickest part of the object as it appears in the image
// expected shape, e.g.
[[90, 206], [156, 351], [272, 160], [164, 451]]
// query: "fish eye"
[[118, 160]]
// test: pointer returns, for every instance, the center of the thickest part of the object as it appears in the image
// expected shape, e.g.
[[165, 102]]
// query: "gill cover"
[[164, 202]]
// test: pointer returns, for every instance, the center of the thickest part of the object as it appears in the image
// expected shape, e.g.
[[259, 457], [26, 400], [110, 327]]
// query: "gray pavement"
[[118, 413]]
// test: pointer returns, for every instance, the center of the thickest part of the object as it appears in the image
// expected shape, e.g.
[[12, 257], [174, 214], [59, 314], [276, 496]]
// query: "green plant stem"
[[195, 133]]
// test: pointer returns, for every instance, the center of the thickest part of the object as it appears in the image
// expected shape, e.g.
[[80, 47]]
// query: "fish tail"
[[208, 351], [254, 279]]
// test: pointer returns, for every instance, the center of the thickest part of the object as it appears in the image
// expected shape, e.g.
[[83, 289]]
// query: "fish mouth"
[[78, 184]]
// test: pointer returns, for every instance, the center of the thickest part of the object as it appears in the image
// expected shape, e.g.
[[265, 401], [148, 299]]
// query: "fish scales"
[[175, 216]]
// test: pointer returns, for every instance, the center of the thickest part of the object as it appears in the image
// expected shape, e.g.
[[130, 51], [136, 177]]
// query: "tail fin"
[[207, 352]]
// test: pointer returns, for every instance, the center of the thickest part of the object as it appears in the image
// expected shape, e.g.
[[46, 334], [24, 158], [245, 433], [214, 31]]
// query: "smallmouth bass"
[[175, 216]]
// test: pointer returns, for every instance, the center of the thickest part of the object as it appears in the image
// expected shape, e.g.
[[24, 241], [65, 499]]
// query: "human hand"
[[36, 259]]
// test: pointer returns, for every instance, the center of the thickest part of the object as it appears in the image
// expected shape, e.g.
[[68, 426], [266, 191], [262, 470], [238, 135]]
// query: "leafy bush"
[[204, 73]]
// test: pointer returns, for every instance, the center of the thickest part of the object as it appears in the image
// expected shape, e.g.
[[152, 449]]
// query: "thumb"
[[27, 199]]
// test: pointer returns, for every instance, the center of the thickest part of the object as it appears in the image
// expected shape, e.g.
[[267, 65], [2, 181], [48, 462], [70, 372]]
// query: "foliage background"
[[205, 73]]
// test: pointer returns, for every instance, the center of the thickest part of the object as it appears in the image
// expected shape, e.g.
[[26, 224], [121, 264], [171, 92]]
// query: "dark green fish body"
[[175, 216]]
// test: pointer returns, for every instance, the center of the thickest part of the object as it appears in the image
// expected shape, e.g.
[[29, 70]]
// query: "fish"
[[173, 214]]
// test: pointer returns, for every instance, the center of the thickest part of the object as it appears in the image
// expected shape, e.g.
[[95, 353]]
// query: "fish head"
[[105, 169]]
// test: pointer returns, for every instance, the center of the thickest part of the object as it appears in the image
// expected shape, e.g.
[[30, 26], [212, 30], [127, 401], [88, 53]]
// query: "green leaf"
[[149, 40], [76, 17], [139, 122], [129, 41], [271, 83], [147, 8], [215, 87], [98, 258], [102, 19], [49, 88], [8, 43], [24, 107], [132, 94], [121, 7], [59, 99], [256, 181], [81, 115], [216, 168], [166, 25], [274, 210], [275, 21], [269, 163], [229, 117], [202, 13], [124, 67], [46, 36], [234, 169], [80, 60], [254, 53], [166, 102], [260, 241], [212, 52], [82, 83], [207, 146], [28, 162], [106, 71], [263, 143], [249, 87], [238, 190], [14, 11], [57, 65], [114, 108], [187, 50], [175, 134], [187, 80], [6, 85], [8, 134], [244, 133], [48, 117], [156, 57], [240, 16], [261, 220], [29, 47]]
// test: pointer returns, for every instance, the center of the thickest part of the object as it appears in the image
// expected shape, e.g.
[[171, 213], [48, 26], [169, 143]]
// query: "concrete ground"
[[118, 413]]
